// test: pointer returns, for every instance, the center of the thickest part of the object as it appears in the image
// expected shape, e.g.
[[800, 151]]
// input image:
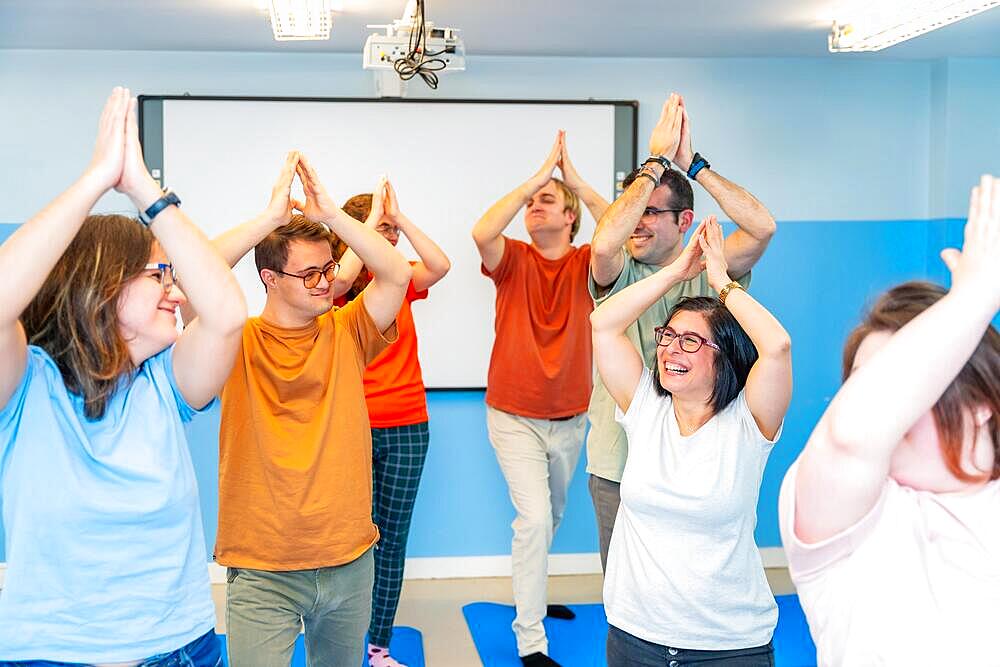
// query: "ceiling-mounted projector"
[[412, 46]]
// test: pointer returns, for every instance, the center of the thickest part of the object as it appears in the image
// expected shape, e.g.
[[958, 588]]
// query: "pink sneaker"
[[379, 657]]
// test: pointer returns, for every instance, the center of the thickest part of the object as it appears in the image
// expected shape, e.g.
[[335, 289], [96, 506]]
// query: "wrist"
[[144, 194], [718, 282], [682, 162]]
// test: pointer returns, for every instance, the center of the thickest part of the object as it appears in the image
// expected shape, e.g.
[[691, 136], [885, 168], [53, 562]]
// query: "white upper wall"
[[813, 139]]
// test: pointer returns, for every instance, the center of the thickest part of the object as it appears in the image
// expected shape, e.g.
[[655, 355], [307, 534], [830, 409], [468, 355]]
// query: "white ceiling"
[[640, 28]]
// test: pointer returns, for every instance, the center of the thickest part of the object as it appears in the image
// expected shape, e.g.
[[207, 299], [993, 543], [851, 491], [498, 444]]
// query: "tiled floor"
[[434, 606]]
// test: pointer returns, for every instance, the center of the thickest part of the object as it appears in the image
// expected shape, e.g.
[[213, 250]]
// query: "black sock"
[[559, 611], [538, 660]]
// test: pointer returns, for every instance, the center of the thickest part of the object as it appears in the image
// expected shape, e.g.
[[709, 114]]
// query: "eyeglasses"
[[650, 210], [311, 278], [689, 342], [167, 275]]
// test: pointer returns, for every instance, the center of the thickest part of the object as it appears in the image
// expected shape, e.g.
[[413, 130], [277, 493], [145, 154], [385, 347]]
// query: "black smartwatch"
[[169, 198], [697, 164], [659, 159]]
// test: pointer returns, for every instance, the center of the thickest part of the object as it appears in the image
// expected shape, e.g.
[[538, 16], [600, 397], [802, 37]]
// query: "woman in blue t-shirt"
[[106, 560]]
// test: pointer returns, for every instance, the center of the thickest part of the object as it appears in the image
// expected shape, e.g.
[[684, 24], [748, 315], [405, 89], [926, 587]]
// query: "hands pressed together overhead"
[[671, 137], [117, 161]]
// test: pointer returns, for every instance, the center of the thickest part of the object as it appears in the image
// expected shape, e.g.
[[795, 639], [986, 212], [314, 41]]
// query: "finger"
[[297, 205], [951, 257]]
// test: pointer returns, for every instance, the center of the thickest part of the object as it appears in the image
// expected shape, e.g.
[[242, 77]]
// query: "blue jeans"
[[202, 652]]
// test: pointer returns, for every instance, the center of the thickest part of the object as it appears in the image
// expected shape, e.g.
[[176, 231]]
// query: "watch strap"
[[169, 198]]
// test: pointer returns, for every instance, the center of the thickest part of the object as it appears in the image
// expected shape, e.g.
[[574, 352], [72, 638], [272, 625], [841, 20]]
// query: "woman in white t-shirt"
[[891, 516], [685, 582]]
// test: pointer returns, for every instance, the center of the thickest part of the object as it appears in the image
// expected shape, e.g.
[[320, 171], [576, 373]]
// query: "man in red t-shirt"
[[539, 381]]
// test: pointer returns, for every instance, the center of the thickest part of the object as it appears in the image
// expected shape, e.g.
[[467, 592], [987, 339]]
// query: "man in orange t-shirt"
[[295, 525], [397, 406], [539, 381]]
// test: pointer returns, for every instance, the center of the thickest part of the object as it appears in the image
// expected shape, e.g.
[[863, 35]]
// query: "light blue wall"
[[846, 153], [965, 130]]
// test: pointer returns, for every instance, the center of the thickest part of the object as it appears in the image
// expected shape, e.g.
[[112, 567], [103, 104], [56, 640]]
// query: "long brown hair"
[[74, 316], [977, 384]]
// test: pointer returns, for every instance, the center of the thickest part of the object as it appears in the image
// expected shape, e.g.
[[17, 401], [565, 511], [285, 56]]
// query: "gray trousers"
[[606, 496], [265, 611]]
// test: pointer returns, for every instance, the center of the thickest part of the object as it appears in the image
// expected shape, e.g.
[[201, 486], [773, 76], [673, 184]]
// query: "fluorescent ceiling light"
[[301, 19], [880, 24]]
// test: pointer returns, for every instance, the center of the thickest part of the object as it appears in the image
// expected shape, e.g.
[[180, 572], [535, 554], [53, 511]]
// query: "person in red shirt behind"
[[539, 382], [397, 405]]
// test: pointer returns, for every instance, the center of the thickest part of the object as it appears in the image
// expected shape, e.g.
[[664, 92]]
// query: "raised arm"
[[594, 202], [238, 241], [848, 454], [433, 264], [488, 231], [618, 362], [350, 264], [390, 271], [769, 385], [28, 256], [204, 352], [755, 224], [620, 219], [233, 244]]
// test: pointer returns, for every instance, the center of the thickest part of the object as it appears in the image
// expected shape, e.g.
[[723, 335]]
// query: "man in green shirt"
[[639, 234]]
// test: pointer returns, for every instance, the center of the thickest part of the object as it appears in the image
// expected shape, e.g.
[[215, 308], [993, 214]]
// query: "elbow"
[[598, 321], [233, 317], [778, 347], [403, 273], [767, 227]]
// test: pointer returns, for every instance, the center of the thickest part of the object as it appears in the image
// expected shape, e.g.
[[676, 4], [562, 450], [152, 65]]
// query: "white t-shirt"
[[915, 582], [683, 568]]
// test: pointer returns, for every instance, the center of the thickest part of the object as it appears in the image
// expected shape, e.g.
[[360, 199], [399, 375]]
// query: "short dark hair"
[[272, 251], [681, 193], [737, 356]]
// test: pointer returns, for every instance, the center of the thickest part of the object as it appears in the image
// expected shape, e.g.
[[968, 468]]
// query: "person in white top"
[[685, 582], [890, 517]]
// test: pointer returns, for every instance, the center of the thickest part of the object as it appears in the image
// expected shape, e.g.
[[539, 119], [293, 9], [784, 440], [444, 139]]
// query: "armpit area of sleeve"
[[502, 269], [808, 560], [642, 391], [598, 293], [373, 341]]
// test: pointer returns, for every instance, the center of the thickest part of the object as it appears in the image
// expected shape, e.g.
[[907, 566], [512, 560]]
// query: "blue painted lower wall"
[[816, 277]]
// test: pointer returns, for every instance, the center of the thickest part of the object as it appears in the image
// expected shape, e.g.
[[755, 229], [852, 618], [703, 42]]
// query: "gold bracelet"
[[724, 292]]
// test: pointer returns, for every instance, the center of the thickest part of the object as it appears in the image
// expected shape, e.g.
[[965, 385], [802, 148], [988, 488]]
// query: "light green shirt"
[[607, 445]]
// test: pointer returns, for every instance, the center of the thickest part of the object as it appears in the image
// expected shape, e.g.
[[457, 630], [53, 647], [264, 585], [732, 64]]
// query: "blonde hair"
[[572, 203]]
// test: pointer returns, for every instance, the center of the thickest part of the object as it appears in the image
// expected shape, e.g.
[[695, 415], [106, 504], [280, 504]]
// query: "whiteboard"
[[448, 160]]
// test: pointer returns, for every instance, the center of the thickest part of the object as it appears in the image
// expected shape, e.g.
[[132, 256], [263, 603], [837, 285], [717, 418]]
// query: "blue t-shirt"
[[106, 558]]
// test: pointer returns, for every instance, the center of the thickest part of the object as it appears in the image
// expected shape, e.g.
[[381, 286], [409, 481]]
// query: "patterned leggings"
[[398, 458]]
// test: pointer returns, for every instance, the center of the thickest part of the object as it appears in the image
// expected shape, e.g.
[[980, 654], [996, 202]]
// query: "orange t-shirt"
[[541, 361], [295, 449], [394, 387]]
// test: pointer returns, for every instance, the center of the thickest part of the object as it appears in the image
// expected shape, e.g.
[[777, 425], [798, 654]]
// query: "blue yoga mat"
[[407, 646], [581, 642]]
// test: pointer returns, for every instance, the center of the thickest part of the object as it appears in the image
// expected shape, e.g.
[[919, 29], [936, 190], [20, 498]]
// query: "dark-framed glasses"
[[167, 275], [689, 342], [652, 210], [311, 277]]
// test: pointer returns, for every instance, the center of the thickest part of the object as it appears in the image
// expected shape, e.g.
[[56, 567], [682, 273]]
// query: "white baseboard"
[[466, 567]]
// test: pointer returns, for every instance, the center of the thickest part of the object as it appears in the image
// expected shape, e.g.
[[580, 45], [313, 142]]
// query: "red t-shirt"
[[394, 387], [541, 361]]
